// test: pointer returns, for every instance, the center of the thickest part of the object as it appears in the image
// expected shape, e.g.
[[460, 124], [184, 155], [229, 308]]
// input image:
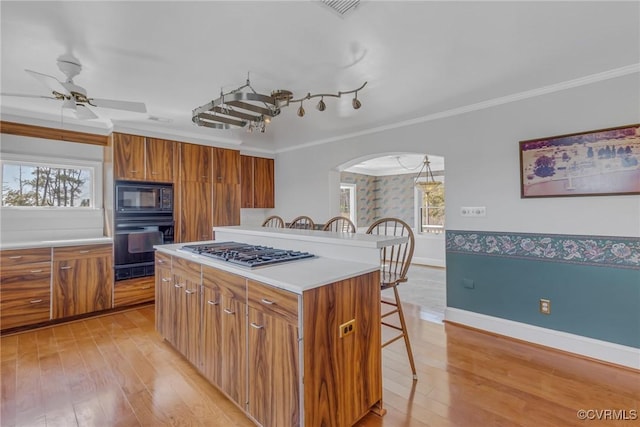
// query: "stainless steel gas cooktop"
[[245, 254]]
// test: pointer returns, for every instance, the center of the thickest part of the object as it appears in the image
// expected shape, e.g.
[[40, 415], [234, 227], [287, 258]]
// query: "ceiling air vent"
[[341, 6]]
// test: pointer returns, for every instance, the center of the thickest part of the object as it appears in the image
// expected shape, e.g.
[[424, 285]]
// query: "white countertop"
[[296, 276], [55, 243], [317, 236]]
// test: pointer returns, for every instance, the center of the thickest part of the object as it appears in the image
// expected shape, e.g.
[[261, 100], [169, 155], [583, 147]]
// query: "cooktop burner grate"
[[245, 254]]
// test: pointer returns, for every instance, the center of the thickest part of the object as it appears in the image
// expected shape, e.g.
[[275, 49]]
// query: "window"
[[430, 201], [29, 182], [348, 201]]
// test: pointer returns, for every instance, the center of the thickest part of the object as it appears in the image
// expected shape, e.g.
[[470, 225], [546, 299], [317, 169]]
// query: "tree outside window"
[[432, 208]]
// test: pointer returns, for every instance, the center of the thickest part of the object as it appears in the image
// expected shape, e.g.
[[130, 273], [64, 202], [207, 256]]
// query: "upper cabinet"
[[138, 158], [226, 166], [195, 163], [258, 182]]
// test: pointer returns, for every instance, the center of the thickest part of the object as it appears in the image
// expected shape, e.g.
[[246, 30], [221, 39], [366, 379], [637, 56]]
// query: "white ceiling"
[[419, 58]]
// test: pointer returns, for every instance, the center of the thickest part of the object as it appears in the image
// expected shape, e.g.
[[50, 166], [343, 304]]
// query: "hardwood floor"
[[116, 371]]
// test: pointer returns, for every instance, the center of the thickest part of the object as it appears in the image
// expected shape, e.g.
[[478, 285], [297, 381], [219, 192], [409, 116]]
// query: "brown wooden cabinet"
[[273, 356], [224, 332], [194, 219], [139, 158], [133, 291], [187, 281], [258, 182], [195, 162], [25, 280], [82, 280], [165, 297]]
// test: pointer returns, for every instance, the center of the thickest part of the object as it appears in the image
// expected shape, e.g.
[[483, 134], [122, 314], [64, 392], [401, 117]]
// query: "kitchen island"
[[292, 344]]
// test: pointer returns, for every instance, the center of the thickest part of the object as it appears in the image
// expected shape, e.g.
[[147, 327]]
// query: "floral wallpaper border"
[[621, 252]]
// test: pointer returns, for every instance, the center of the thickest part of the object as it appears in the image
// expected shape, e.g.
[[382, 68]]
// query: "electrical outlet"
[[347, 328], [473, 211], [545, 306]]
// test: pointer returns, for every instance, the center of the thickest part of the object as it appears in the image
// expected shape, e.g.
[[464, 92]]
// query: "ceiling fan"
[[75, 97]]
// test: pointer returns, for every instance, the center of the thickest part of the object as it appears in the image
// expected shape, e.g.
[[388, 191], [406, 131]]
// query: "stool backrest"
[[340, 224]]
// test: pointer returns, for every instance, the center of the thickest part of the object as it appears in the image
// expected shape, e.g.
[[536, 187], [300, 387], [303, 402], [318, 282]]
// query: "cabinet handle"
[[160, 261], [155, 173], [229, 311], [178, 285], [256, 326], [145, 287], [15, 257], [36, 271], [35, 301], [189, 291], [68, 267], [166, 279], [213, 302], [266, 301], [133, 171], [84, 252]]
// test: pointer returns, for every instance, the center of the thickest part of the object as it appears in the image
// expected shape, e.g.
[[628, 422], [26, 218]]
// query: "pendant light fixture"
[[430, 184], [244, 107]]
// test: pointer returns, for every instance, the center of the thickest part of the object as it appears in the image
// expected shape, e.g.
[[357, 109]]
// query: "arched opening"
[[402, 185]]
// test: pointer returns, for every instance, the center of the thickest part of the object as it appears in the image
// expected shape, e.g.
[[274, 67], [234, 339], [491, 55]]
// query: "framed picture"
[[596, 163]]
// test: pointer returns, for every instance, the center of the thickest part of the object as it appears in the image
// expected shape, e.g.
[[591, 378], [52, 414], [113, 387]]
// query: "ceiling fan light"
[[301, 111], [321, 105]]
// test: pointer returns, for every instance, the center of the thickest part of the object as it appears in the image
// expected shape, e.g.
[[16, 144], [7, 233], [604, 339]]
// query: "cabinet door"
[[195, 212], [188, 316], [234, 336], [226, 166], [128, 157], [263, 183], [25, 294], [82, 285], [226, 204], [273, 370], [165, 299], [195, 163], [246, 175], [212, 335], [159, 160]]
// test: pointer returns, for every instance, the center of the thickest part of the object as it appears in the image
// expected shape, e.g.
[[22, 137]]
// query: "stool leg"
[[405, 334]]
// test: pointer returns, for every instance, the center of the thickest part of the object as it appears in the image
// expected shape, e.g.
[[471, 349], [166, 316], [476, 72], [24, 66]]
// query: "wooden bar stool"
[[394, 263], [340, 224], [302, 222], [273, 221]]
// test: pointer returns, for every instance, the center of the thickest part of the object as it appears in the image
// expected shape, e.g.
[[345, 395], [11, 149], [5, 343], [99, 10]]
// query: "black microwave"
[[143, 197]]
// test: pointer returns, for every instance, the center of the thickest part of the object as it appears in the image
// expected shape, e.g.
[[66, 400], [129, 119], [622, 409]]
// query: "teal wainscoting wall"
[[593, 282]]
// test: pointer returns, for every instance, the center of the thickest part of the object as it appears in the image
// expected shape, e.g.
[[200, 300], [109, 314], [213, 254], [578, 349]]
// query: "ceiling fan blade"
[[137, 107], [84, 113], [22, 95], [50, 82]]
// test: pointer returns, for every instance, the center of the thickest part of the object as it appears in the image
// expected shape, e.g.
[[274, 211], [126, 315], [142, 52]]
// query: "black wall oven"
[[143, 218]]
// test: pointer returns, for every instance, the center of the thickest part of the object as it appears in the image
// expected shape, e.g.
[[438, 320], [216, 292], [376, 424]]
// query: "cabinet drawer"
[[24, 256], [163, 260], [25, 295], [228, 284], [182, 267], [133, 291], [278, 302], [78, 252]]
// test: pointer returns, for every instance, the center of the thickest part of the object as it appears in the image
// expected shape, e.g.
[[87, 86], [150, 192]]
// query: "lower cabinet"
[[224, 332], [256, 343], [25, 280], [82, 280], [133, 291]]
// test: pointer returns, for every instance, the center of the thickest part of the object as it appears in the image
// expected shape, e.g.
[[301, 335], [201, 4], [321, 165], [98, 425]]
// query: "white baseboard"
[[428, 261], [584, 346]]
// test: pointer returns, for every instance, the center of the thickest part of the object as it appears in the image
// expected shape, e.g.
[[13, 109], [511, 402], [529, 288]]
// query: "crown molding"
[[582, 81]]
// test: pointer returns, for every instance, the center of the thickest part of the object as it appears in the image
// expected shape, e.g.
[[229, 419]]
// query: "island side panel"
[[342, 375]]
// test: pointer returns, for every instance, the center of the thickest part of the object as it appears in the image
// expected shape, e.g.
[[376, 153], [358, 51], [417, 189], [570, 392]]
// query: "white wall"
[[481, 151]]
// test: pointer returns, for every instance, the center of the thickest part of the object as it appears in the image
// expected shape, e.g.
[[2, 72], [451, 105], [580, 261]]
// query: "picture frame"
[[601, 162]]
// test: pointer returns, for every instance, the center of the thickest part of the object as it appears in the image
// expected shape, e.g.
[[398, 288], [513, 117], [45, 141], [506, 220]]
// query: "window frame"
[[352, 200], [95, 168], [418, 199]]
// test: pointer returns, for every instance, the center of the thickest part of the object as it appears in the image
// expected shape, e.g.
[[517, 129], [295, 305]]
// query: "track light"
[[356, 103], [244, 107], [321, 105]]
